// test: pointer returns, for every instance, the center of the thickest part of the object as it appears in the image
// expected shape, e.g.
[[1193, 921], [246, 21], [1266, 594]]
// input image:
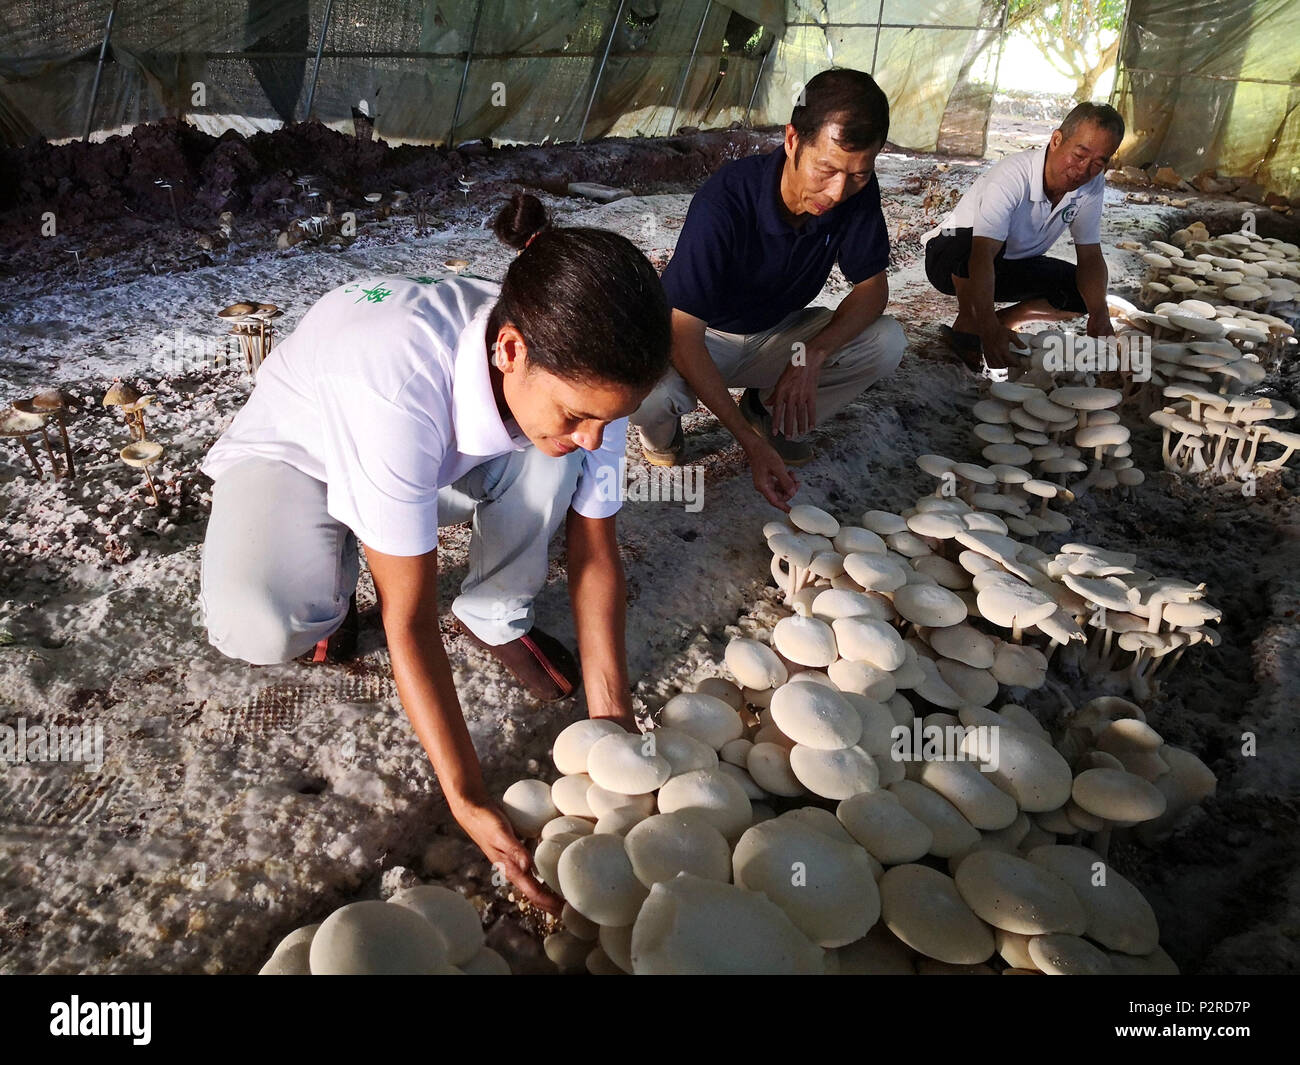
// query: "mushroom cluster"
[[142, 452], [424, 930], [251, 325], [1220, 434], [706, 844], [1246, 286], [28, 417], [1038, 433]]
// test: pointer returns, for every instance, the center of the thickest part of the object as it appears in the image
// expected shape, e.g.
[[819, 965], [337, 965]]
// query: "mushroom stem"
[[1101, 842], [67, 446], [49, 450], [152, 490], [31, 454], [1015, 631]]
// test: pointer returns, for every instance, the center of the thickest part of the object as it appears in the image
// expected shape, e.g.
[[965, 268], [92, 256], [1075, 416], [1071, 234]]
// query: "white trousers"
[[278, 570], [757, 360]]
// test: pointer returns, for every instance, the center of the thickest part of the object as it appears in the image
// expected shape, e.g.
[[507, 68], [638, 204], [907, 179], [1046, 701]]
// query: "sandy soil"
[[236, 803]]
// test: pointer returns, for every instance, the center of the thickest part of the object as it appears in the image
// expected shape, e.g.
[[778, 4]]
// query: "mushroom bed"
[[969, 560]]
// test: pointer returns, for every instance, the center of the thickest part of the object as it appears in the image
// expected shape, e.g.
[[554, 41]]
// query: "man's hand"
[[773, 480], [794, 400], [487, 826], [1099, 325], [998, 340]]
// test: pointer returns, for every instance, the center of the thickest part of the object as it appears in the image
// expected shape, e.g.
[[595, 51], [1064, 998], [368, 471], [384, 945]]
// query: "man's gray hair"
[[1103, 116]]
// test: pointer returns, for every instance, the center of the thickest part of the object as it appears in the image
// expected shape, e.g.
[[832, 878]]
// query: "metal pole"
[[875, 48], [689, 63], [753, 95], [464, 76], [94, 89], [320, 47], [609, 43], [1119, 54]]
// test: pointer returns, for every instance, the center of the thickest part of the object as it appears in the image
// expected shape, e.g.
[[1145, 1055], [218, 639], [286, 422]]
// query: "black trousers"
[[1014, 280]]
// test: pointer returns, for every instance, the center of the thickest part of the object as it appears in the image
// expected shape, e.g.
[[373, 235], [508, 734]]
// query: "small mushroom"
[[142, 454]]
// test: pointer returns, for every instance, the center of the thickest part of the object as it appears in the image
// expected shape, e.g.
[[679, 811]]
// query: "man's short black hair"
[[848, 98], [1103, 116]]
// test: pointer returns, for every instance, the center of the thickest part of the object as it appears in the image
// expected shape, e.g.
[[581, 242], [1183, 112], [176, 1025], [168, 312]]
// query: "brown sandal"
[[537, 660]]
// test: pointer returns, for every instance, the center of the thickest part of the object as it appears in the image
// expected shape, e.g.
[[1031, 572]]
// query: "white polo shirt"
[[384, 393], [1008, 203]]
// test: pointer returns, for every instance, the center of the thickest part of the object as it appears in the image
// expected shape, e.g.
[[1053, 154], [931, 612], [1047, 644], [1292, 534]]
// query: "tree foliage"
[[1080, 38]]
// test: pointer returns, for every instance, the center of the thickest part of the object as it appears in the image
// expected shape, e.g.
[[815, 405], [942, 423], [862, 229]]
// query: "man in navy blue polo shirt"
[[758, 244]]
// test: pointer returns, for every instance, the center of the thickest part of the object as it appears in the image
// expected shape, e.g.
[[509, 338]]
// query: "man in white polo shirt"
[[992, 247]]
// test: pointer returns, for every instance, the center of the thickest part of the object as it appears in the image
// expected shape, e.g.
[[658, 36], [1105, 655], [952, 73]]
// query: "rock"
[[694, 926], [396, 879], [1167, 178], [923, 908], [1207, 183], [826, 888], [1251, 191], [597, 879], [451, 914], [377, 939], [1135, 175], [1011, 893]]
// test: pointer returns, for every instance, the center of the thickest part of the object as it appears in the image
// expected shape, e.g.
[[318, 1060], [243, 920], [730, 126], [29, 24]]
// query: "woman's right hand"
[[487, 826]]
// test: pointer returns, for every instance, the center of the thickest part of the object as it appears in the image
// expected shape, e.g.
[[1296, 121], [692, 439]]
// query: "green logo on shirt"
[[376, 294]]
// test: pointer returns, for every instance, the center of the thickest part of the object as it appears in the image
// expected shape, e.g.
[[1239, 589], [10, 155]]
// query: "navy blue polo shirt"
[[741, 267]]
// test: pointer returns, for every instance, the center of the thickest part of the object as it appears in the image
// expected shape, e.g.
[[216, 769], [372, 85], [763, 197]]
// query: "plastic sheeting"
[[1213, 85], [430, 71]]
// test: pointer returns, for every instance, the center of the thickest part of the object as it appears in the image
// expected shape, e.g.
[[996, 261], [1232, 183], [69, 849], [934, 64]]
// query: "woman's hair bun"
[[519, 220]]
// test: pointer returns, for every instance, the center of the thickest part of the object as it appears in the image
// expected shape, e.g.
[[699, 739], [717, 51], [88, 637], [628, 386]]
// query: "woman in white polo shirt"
[[993, 247], [402, 401]]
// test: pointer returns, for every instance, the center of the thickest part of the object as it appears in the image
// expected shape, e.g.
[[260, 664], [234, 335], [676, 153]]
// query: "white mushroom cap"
[[834, 774], [1014, 605], [373, 938], [690, 925], [882, 522], [1028, 768], [981, 802], [1118, 916], [814, 520], [815, 716], [754, 664], [831, 604], [453, 915], [662, 846], [683, 752], [882, 824], [578, 826], [597, 879], [723, 689], [528, 806], [1117, 795], [952, 833], [1062, 955], [804, 641], [869, 640], [628, 765], [769, 765], [929, 604], [874, 572], [964, 644], [569, 794], [712, 795], [709, 720], [835, 904], [1013, 894], [853, 539]]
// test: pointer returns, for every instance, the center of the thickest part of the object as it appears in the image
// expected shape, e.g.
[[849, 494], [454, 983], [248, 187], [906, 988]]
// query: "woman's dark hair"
[[849, 98], [587, 302]]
